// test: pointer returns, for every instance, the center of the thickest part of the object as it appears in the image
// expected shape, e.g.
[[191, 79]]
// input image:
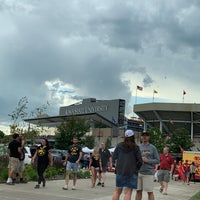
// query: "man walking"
[[150, 158], [166, 169], [14, 151], [105, 157], [72, 160]]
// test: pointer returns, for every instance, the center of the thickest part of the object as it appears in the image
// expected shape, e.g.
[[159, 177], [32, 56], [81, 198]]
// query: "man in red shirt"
[[166, 169]]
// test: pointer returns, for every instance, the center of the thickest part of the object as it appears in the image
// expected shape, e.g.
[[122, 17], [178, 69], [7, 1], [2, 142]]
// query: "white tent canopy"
[[87, 150], [112, 149]]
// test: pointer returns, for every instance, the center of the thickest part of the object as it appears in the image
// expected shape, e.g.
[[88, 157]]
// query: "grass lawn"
[[196, 196]]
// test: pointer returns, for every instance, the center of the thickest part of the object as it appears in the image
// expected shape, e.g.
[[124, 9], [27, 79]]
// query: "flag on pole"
[[139, 88], [155, 91], [184, 92]]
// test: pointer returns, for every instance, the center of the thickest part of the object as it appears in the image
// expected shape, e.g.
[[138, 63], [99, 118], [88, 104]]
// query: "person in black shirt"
[[14, 151], [44, 158], [95, 165], [72, 160], [106, 158]]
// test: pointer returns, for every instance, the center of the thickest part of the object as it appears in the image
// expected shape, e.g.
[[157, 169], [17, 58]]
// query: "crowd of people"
[[184, 171], [135, 165]]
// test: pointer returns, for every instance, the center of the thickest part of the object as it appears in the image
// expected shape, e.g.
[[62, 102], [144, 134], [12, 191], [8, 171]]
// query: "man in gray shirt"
[[150, 158]]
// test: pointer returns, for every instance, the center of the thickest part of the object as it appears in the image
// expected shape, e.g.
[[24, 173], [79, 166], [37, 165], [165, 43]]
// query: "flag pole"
[[136, 96], [184, 92], [153, 97]]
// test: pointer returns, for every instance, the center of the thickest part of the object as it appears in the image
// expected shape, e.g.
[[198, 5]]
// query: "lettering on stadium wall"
[[86, 109]]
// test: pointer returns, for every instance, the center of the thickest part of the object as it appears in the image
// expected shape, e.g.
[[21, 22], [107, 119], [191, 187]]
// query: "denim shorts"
[[126, 181], [72, 166]]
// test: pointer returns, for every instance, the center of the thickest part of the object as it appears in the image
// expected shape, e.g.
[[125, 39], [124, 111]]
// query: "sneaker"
[[98, 183], [164, 193], [65, 187], [161, 190], [44, 183], [102, 184], [9, 183], [37, 186], [22, 181], [73, 188]]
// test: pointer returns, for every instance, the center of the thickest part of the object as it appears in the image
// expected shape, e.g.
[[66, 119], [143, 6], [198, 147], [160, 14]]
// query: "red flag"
[[139, 88], [184, 92]]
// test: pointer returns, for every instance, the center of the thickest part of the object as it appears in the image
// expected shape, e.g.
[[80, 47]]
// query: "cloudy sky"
[[63, 51]]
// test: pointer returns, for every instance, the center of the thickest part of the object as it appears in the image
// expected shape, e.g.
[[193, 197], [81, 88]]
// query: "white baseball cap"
[[129, 133]]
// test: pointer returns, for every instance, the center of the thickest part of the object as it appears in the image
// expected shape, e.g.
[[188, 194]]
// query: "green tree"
[[157, 138], [73, 127], [180, 138], [30, 134], [89, 141], [108, 143], [2, 134], [6, 139], [18, 114]]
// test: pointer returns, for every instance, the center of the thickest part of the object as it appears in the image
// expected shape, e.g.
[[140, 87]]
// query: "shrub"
[[30, 173], [3, 168], [51, 172], [4, 175]]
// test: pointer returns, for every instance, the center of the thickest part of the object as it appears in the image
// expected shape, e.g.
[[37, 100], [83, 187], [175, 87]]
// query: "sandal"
[[164, 193], [161, 190]]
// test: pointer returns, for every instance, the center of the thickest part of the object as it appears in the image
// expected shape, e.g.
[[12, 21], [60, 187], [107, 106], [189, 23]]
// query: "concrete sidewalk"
[[53, 191]]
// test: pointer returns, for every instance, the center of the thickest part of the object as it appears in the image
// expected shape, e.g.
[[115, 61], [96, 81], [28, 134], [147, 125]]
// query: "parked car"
[[58, 155], [28, 156]]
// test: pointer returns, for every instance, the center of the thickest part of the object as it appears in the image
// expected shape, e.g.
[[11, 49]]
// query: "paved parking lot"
[[53, 191]]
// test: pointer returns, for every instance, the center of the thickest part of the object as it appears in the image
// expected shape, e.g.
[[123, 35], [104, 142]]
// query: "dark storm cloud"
[[89, 45], [173, 25], [147, 81]]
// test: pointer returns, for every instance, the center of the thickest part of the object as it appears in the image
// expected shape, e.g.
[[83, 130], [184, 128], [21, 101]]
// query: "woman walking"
[[44, 158], [128, 161], [95, 166]]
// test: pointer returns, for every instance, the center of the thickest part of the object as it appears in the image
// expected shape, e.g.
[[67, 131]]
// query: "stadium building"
[[106, 117], [170, 116]]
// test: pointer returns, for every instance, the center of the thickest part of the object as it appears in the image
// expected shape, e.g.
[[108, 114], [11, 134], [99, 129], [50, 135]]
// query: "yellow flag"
[[155, 91]]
